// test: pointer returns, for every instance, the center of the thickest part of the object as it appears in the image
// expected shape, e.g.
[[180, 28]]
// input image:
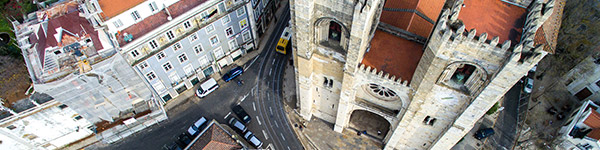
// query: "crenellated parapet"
[[450, 32], [380, 75]]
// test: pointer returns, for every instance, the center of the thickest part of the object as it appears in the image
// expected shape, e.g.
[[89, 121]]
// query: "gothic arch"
[[322, 30], [472, 82]]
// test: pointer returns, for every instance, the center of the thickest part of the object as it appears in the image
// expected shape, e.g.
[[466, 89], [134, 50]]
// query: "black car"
[[239, 111], [183, 140], [484, 133], [172, 146]]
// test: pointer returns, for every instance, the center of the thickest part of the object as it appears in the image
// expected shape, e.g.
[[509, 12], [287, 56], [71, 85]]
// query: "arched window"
[[335, 31], [464, 77]]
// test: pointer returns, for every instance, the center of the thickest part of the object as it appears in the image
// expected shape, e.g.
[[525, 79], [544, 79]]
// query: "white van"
[[207, 87]]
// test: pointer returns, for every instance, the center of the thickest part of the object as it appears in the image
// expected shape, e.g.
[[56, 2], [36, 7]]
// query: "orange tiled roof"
[[152, 22], [394, 55], [215, 138], [594, 134], [410, 21], [494, 17], [593, 120], [548, 33], [111, 8]]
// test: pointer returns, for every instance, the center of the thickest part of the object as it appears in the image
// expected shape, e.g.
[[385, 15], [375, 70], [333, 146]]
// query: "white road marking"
[[282, 136], [271, 146], [243, 98], [276, 124], [257, 119], [227, 115], [273, 62], [255, 58], [254, 106], [266, 136], [289, 148], [271, 110], [270, 71]]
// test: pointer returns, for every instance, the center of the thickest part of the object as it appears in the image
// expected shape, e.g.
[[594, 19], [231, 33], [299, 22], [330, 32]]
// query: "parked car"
[[237, 71], [237, 125], [527, 88], [239, 111], [183, 140], [207, 87], [195, 129], [484, 133], [252, 139], [171, 146]]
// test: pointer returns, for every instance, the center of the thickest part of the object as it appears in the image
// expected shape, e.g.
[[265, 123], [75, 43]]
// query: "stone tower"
[[329, 43], [419, 82]]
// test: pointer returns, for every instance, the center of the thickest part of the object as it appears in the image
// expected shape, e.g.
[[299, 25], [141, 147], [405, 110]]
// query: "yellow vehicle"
[[283, 41]]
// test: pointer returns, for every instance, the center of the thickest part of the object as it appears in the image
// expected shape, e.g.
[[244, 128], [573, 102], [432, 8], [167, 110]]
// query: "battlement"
[[367, 70], [450, 31]]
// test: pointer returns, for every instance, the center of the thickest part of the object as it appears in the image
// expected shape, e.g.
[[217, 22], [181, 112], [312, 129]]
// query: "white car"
[[528, 85], [252, 139]]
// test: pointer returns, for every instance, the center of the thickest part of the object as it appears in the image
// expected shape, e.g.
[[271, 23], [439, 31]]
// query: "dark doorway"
[[335, 31], [374, 125]]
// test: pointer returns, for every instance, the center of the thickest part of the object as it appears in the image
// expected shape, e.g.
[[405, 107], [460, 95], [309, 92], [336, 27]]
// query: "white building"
[[582, 131]]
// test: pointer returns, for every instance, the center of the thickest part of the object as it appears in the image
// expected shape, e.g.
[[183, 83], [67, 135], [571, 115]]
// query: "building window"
[[210, 28], [160, 55], [598, 83], [135, 15], [198, 49], [429, 120], [182, 58], [153, 44], [382, 91], [187, 24], [135, 53], [229, 31], [204, 61], [583, 94], [158, 86], [167, 66], [150, 76], [62, 106], [118, 23], [176, 46], [193, 37], [240, 12], [243, 24], [464, 77], [153, 6], [226, 19], [246, 36], [219, 53], [335, 31], [214, 40], [11, 127], [327, 82], [170, 35], [143, 65], [233, 44]]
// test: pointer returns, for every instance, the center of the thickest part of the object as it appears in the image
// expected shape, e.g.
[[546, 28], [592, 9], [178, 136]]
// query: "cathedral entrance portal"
[[375, 125]]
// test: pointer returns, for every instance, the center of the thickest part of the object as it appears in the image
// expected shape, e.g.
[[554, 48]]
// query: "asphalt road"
[[506, 125], [260, 96]]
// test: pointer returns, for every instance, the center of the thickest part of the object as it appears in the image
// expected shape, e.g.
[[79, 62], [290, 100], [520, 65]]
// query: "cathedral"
[[419, 73]]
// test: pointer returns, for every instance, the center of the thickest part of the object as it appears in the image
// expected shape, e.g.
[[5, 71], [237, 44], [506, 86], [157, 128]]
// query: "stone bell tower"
[[330, 38]]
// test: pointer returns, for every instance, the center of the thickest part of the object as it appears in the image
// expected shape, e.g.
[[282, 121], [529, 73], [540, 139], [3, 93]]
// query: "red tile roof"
[[150, 23], [593, 120], [70, 22], [410, 21], [111, 8], [594, 134], [394, 55], [494, 17], [215, 138], [548, 33]]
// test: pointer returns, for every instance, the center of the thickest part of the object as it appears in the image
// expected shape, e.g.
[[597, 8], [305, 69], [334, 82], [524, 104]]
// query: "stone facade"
[[430, 112]]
